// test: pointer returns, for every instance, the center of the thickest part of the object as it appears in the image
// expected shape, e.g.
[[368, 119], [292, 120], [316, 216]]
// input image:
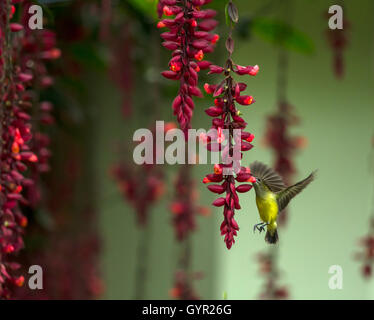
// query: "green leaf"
[[282, 34], [147, 7]]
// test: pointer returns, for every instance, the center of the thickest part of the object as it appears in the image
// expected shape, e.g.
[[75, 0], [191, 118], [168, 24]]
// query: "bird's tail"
[[271, 236]]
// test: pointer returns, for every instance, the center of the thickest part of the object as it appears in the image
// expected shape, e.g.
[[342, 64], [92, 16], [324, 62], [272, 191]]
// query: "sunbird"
[[272, 196]]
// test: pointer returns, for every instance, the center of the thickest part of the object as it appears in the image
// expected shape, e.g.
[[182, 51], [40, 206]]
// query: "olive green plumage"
[[272, 196]]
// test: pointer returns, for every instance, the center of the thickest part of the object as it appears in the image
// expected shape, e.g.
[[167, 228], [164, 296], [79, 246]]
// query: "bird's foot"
[[260, 226], [256, 226]]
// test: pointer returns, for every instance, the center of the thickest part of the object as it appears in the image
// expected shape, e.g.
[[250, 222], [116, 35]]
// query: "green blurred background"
[[325, 222]]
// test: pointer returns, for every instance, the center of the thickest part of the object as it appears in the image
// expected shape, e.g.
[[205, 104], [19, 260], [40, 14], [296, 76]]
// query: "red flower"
[[15, 27], [199, 55], [244, 100], [19, 281], [367, 270], [215, 69], [250, 70]]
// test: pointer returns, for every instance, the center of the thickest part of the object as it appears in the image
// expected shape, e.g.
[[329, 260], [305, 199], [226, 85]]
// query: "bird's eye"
[[258, 179]]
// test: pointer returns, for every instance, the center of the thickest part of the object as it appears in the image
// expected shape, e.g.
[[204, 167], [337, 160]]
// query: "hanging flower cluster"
[[39, 47], [190, 39], [141, 196], [74, 233], [15, 153], [63, 279], [145, 195], [226, 117], [182, 289], [366, 256], [338, 41], [367, 253], [277, 138], [184, 206], [268, 269], [23, 68]]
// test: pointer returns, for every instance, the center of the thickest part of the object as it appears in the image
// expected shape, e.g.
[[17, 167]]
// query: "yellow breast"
[[267, 207]]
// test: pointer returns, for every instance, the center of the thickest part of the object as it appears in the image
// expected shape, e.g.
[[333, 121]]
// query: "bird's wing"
[[271, 179], [284, 196]]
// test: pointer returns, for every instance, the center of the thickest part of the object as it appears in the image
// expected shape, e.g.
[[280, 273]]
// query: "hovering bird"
[[272, 196]]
